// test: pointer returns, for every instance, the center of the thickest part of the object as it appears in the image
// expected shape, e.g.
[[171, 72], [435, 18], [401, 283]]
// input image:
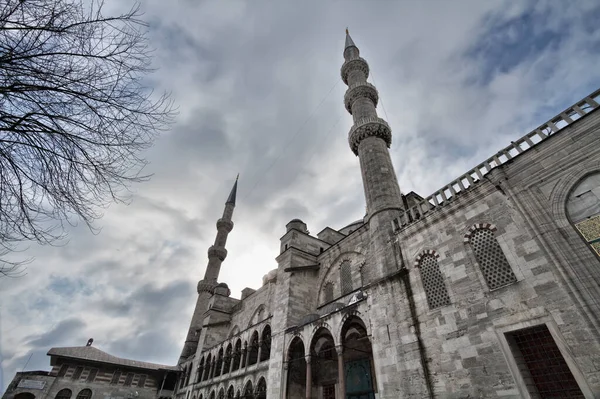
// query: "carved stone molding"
[[354, 64], [224, 224], [369, 127], [356, 91], [218, 252], [206, 286]]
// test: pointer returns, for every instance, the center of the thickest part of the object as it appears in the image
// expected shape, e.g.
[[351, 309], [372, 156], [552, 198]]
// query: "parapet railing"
[[444, 195]]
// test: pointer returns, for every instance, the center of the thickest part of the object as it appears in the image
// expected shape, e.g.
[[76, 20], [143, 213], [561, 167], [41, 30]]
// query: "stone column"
[[308, 378], [247, 356], [341, 374], [285, 377], [223, 366], [259, 350], [232, 361], [212, 369]]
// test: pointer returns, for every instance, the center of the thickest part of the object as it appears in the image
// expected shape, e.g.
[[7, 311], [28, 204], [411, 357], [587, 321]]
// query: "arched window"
[[212, 395], [328, 292], [237, 354], [493, 264], [248, 391], [231, 392], [219, 363], [583, 209], [84, 394], [207, 367], [64, 394], [346, 277], [199, 370], [227, 360], [261, 388], [253, 349], [221, 394], [433, 281], [25, 395], [265, 343]]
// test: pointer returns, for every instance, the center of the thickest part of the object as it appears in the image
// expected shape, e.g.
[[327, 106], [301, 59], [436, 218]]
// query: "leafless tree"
[[75, 115]]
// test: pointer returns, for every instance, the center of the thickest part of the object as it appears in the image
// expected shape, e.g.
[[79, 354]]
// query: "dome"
[[223, 285]]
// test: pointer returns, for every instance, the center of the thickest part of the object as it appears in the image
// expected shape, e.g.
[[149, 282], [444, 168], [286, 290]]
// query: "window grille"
[[433, 282], [328, 292], [115, 378], [92, 375], [63, 370], [77, 372], [128, 379], [346, 277], [84, 394], [63, 394], [492, 262], [543, 366]]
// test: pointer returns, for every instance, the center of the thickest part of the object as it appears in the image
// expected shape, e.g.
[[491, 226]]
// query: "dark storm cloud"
[[259, 93]]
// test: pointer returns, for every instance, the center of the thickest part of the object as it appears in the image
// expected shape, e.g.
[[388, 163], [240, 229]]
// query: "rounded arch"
[[430, 252], [84, 394], [24, 395], [582, 208], [352, 314], [478, 226], [358, 355], [259, 314], [253, 349], [565, 187], [296, 361], [64, 393]]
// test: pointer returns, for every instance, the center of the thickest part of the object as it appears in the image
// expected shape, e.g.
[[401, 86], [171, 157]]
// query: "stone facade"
[[488, 288]]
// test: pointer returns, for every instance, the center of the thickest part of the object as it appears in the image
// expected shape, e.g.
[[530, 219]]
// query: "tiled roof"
[[93, 354]]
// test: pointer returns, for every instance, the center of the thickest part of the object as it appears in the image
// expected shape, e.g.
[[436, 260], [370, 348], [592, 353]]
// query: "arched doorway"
[[248, 391], [359, 374], [25, 395], [324, 363], [296, 374]]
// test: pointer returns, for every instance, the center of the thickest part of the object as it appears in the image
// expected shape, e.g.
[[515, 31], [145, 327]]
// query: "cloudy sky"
[[259, 93]]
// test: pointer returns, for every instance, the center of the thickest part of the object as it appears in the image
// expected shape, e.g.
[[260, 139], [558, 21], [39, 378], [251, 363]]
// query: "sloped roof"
[[91, 353]]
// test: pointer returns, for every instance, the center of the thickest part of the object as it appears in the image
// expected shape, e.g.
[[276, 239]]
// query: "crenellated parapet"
[[360, 90], [369, 127]]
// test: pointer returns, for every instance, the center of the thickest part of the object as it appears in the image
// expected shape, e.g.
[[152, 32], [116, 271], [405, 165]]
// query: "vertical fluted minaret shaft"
[[370, 136], [216, 255]]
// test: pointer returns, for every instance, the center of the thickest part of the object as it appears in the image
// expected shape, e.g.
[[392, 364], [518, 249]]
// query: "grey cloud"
[[63, 333]]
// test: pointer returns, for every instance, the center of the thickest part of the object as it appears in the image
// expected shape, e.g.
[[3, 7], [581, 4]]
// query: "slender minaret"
[[216, 255], [369, 138]]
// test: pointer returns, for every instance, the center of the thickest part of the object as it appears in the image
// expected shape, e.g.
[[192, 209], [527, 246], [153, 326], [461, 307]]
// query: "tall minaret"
[[216, 255], [369, 138]]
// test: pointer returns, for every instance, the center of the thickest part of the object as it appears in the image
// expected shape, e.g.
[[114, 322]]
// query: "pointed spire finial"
[[233, 193], [349, 41], [347, 31]]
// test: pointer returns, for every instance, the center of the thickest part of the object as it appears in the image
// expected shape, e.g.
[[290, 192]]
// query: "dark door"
[[359, 384]]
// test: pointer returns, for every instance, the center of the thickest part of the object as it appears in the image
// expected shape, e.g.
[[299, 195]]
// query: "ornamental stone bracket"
[[352, 65], [368, 127], [359, 90], [206, 286]]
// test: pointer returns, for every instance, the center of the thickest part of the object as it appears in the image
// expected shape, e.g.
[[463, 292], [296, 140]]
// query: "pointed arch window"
[[493, 263], [583, 209], [433, 281], [346, 277]]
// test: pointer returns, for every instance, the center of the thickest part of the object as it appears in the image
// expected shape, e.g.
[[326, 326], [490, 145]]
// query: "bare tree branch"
[[75, 116]]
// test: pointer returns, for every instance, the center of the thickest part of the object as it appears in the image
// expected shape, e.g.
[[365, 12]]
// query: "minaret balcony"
[[369, 127], [206, 286], [224, 224], [357, 63], [360, 90], [217, 252]]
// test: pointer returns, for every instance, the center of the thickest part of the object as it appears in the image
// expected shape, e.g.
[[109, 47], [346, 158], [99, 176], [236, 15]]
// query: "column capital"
[[308, 359], [339, 349]]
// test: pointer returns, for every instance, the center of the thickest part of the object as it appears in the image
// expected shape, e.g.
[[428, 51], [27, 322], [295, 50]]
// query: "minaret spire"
[[370, 136], [216, 255]]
